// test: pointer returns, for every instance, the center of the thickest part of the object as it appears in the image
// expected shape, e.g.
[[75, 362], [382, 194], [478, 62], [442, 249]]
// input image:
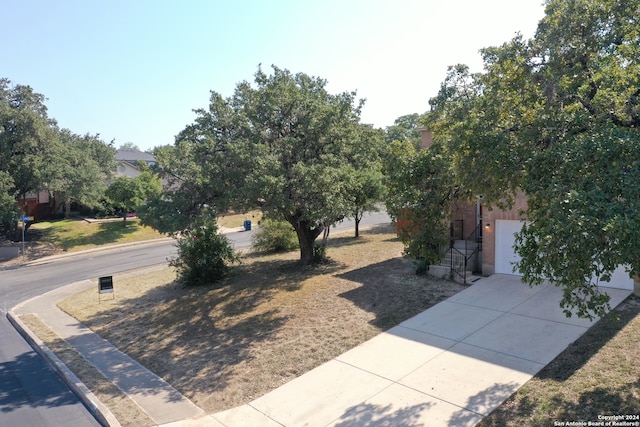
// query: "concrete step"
[[462, 244]]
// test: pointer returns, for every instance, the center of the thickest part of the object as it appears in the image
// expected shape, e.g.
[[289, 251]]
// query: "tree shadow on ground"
[[482, 403], [394, 282], [190, 336], [29, 366], [582, 350], [367, 414], [194, 337], [346, 235], [587, 405], [565, 389]]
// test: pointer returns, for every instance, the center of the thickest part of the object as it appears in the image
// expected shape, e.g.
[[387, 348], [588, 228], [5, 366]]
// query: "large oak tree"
[[282, 144], [28, 140], [558, 117]]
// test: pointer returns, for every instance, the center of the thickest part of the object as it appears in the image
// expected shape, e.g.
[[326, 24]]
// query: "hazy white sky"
[[133, 70]]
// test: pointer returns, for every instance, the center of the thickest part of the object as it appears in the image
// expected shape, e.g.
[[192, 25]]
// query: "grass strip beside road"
[[121, 406]]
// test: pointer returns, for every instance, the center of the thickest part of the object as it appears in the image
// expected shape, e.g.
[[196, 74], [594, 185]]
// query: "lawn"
[[268, 323], [232, 220], [70, 235]]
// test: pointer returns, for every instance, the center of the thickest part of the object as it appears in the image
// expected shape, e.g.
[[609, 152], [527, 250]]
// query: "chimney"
[[427, 138]]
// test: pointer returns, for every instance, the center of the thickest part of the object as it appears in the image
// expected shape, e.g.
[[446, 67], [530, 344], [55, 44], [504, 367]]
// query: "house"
[[493, 231], [38, 205], [42, 204], [128, 161]]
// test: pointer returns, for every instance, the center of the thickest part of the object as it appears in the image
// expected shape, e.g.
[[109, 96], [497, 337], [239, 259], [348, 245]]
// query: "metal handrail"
[[459, 260]]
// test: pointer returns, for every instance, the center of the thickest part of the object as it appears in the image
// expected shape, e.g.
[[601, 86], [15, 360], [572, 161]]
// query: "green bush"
[[319, 254], [274, 236], [204, 255]]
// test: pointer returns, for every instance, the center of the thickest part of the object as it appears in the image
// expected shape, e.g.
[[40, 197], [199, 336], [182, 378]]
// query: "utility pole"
[[22, 236]]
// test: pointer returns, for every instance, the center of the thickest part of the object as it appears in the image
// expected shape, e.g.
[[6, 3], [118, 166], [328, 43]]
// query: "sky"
[[133, 71]]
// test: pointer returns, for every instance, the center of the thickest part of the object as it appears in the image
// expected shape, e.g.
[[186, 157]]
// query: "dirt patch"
[[33, 251], [273, 320]]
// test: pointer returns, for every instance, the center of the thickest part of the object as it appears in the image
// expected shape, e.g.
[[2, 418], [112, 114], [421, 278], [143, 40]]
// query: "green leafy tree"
[[28, 140], [557, 117], [367, 180], [125, 194], [8, 206], [420, 194], [185, 191], [281, 145], [83, 165], [128, 194], [405, 128]]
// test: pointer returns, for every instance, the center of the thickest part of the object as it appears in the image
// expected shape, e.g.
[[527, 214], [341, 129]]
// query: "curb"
[[100, 412]]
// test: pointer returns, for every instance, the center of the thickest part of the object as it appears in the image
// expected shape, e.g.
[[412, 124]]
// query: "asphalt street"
[[31, 393]]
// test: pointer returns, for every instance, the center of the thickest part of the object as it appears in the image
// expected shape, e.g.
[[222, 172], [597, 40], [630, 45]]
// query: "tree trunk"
[[67, 208], [306, 238], [124, 219]]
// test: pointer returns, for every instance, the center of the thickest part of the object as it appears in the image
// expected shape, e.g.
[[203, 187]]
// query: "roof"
[[131, 155]]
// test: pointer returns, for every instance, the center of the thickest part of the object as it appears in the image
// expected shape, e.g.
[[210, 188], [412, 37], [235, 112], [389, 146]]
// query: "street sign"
[[27, 218]]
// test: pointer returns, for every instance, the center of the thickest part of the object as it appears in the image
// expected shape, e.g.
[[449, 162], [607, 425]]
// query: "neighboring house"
[[493, 230], [128, 158], [38, 205]]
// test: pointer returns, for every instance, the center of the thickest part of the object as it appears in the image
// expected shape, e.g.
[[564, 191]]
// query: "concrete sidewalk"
[[158, 399], [450, 365]]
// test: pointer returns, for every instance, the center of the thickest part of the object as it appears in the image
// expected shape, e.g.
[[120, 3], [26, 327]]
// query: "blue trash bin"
[[247, 225]]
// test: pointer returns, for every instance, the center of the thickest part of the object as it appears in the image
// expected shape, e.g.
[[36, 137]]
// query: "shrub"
[[204, 255], [319, 254], [275, 236]]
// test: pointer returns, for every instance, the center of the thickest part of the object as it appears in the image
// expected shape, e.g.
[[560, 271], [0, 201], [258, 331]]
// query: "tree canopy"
[[282, 144], [405, 128], [27, 139], [127, 194], [36, 155], [82, 167], [557, 116]]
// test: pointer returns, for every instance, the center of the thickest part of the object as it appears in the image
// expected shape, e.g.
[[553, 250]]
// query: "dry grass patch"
[[233, 219], [268, 323], [599, 374], [122, 407]]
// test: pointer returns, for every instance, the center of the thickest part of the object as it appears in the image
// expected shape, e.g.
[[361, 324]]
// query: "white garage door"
[[505, 239], [506, 256]]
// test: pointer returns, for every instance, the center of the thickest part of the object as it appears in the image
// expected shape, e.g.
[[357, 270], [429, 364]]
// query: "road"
[[31, 393]]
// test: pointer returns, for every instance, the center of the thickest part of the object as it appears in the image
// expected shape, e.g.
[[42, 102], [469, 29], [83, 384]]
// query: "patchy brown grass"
[[234, 219], [123, 408], [599, 374], [272, 320]]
